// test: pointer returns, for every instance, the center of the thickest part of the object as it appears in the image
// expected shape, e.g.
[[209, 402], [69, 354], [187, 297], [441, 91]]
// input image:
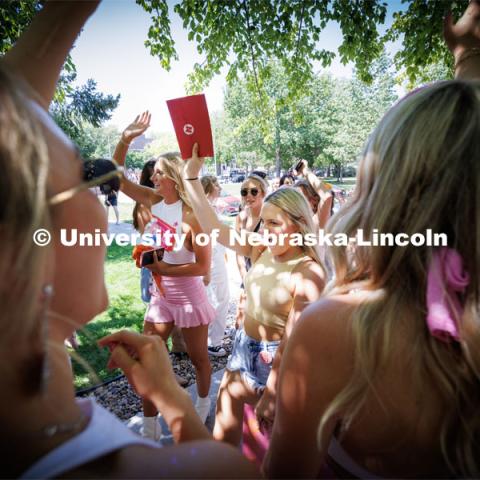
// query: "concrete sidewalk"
[[135, 422]]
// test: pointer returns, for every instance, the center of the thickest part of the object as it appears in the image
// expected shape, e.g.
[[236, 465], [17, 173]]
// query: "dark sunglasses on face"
[[101, 173], [253, 192]]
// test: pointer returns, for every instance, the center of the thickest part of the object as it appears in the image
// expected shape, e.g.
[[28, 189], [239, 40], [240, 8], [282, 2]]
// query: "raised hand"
[[465, 34], [301, 168], [137, 127], [193, 166]]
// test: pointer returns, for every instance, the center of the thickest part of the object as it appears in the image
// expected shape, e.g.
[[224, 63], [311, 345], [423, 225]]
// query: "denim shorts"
[[253, 359]]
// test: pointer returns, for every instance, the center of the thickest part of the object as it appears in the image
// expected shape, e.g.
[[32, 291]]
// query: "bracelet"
[[125, 143], [471, 52], [191, 179]]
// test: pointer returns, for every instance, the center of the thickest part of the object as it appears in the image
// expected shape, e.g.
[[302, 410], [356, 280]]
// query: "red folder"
[[192, 124]]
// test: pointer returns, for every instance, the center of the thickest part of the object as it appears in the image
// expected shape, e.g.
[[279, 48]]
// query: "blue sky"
[[111, 51]]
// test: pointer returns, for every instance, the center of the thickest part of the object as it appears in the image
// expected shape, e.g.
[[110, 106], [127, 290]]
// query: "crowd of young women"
[[374, 375]]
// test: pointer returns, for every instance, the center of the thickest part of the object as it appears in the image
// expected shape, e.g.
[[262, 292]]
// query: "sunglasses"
[[101, 173], [259, 173], [253, 191]]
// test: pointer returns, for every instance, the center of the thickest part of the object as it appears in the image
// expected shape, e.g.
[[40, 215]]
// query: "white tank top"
[[173, 214], [104, 434]]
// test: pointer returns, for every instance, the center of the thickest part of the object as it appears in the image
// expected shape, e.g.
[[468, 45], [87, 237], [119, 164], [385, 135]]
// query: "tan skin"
[[324, 206], [307, 283], [249, 217], [212, 198], [318, 364], [247, 220], [22, 443], [196, 338]]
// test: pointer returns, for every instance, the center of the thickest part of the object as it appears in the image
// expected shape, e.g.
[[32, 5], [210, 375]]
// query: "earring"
[[36, 368], [47, 294], [176, 187]]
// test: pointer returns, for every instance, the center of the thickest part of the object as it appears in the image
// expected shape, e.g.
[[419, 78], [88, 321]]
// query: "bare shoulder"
[[190, 219], [308, 274], [309, 268], [324, 328], [205, 459]]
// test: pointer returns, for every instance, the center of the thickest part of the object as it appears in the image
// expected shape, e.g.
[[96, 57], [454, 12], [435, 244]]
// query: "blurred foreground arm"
[[463, 40], [40, 52]]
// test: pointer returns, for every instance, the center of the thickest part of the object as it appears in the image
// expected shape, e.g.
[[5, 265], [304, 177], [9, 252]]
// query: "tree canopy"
[[326, 126], [73, 108], [244, 35]]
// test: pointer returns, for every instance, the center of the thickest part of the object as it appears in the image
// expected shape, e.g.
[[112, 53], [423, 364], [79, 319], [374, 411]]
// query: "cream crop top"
[[173, 215], [267, 288]]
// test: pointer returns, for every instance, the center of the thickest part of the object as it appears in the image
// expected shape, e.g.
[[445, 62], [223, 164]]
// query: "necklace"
[[57, 428]]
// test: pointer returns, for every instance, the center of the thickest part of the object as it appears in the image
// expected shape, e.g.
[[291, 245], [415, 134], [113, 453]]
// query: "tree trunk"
[[277, 143]]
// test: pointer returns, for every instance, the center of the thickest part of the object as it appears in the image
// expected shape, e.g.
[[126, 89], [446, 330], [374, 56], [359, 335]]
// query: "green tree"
[[244, 35], [73, 108], [82, 106], [328, 126], [97, 142], [358, 108], [136, 159]]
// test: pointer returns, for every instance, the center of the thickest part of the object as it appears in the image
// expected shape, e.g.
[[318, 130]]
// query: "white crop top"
[[173, 214], [104, 434]]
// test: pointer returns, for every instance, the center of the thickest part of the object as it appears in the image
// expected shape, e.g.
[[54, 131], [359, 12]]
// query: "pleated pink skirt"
[[185, 303]]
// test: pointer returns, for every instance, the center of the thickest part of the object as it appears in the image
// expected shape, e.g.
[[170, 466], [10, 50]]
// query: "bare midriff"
[[261, 332]]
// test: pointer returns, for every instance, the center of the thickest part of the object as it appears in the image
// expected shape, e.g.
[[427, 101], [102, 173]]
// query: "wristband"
[[124, 142], [191, 179]]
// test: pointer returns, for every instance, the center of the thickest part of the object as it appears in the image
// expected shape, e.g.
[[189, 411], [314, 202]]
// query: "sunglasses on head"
[[253, 191], [259, 173], [101, 173]]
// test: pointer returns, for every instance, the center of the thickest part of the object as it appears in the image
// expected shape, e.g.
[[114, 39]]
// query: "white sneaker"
[[202, 406], [151, 429], [218, 351]]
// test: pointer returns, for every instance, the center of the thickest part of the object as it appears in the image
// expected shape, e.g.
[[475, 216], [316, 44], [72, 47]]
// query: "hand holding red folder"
[[192, 124]]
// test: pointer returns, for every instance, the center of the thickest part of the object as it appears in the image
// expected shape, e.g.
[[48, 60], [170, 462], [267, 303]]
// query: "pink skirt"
[[185, 303]]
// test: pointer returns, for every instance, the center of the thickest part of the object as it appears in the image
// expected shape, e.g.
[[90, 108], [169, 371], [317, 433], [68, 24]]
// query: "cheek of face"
[[79, 284], [278, 223]]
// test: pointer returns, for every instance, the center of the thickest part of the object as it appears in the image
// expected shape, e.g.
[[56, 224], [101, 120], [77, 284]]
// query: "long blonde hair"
[[419, 171], [173, 167], [296, 206], [24, 166]]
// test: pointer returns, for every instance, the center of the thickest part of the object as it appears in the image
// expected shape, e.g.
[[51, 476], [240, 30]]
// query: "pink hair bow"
[[446, 280]]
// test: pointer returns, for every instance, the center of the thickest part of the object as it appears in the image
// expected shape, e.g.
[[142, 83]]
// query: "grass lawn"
[[126, 310]]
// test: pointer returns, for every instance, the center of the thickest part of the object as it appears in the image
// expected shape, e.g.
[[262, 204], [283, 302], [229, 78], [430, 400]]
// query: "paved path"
[[135, 422]]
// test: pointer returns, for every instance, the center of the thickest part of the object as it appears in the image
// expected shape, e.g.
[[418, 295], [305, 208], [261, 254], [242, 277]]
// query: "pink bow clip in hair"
[[446, 281]]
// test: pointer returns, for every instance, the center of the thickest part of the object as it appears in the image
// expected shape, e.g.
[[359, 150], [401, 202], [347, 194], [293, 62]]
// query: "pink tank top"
[[172, 214]]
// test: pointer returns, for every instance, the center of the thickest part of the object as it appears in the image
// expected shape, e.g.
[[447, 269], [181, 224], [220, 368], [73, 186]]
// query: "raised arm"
[[40, 52], [463, 40], [326, 199], [242, 270], [308, 282], [202, 209], [139, 193]]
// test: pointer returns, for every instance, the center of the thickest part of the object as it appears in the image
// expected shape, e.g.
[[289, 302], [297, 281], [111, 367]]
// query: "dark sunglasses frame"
[[254, 191], [96, 173], [259, 173]]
